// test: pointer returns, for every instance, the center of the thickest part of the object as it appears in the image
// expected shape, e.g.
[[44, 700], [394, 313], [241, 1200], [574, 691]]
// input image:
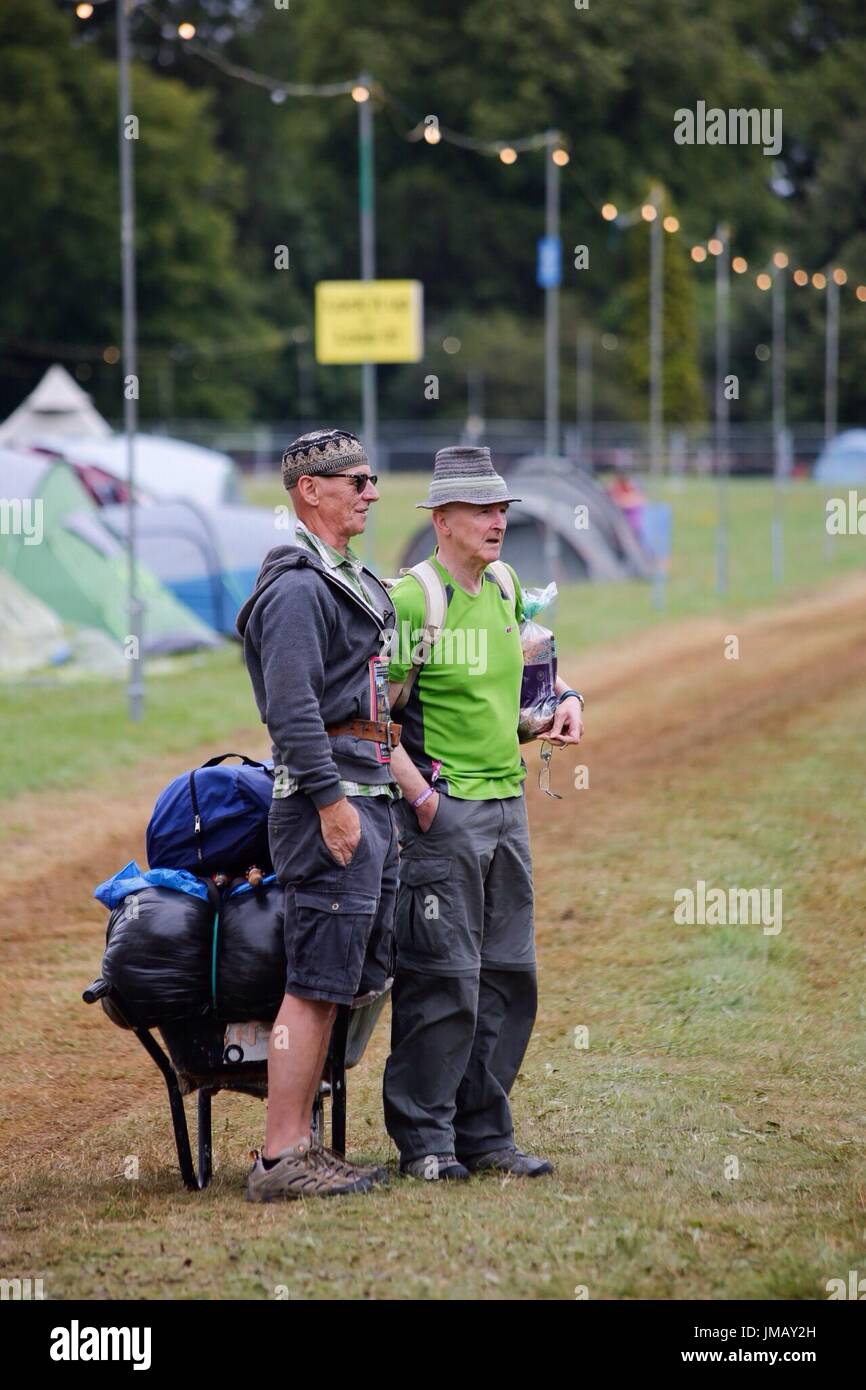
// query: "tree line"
[[225, 174]]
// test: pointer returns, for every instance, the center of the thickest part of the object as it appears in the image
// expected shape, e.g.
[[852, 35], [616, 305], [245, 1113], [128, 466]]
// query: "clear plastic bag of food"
[[538, 699]]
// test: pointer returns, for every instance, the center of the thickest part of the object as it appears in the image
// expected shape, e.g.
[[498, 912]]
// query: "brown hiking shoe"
[[374, 1172], [307, 1170]]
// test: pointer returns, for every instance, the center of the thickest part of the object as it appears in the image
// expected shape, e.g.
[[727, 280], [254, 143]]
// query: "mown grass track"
[[705, 1043]]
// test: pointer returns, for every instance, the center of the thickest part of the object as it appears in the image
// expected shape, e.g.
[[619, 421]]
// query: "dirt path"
[[67, 1070]]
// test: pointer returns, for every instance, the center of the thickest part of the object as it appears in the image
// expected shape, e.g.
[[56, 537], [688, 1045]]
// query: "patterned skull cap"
[[321, 452]]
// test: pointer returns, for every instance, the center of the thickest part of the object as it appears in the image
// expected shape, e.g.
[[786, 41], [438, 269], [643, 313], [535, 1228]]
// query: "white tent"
[[59, 416], [57, 406], [164, 468]]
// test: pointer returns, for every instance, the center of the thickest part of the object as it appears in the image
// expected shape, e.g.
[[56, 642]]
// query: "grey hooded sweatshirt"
[[316, 655]]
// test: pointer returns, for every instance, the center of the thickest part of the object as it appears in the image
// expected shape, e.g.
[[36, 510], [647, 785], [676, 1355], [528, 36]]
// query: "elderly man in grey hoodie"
[[314, 634]]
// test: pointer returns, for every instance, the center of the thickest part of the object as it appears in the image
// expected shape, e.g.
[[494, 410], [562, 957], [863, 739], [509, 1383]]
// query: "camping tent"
[[547, 538], [164, 468], [57, 406], [209, 557], [30, 634], [59, 416], [80, 571], [843, 460]]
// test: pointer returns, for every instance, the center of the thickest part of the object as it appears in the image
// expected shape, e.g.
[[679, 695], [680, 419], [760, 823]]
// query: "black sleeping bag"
[[158, 955], [251, 955]]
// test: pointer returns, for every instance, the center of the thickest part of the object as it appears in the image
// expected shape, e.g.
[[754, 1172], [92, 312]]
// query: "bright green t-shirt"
[[464, 706]]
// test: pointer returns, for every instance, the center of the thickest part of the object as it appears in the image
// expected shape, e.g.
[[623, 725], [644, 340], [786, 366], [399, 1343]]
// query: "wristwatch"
[[566, 694]]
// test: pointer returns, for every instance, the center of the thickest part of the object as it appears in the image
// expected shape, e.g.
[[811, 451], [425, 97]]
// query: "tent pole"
[[130, 364]]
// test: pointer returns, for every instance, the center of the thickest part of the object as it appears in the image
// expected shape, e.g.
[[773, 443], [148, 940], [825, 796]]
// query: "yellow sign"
[[369, 321]]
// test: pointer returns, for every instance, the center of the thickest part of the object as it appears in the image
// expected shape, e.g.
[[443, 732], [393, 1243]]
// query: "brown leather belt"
[[375, 730]]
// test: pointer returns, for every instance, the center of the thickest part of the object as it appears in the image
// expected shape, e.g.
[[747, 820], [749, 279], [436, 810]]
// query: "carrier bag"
[[250, 954], [214, 819], [538, 698]]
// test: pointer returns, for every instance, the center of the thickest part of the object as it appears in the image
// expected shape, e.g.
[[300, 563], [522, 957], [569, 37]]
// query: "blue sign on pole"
[[548, 271], [657, 530], [657, 535]]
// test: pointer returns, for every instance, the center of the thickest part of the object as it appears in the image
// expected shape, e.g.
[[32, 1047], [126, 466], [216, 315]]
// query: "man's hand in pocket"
[[426, 812], [341, 830]]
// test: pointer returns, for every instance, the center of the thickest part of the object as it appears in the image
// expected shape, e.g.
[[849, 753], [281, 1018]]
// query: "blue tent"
[[843, 460], [208, 557]]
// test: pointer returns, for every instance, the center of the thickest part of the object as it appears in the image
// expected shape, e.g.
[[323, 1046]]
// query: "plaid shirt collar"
[[348, 569], [328, 554]]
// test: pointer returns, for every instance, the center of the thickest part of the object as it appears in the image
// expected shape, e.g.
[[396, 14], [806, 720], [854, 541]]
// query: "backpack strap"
[[435, 610], [504, 578]]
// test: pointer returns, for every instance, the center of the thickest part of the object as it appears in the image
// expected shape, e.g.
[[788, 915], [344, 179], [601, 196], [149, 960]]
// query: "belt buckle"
[[389, 734]]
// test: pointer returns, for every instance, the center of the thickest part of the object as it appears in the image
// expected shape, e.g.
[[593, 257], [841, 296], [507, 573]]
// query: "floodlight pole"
[[831, 360], [551, 303], [779, 436], [367, 211], [722, 414], [130, 361], [656, 340], [584, 395]]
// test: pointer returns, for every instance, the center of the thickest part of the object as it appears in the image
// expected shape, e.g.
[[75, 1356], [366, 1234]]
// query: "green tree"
[[60, 229], [610, 78]]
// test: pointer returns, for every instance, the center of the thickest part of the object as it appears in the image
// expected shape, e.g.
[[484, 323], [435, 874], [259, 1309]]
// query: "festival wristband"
[[566, 695], [419, 800]]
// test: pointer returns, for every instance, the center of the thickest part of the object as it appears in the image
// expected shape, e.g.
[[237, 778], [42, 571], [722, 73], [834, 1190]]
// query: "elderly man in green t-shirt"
[[465, 994]]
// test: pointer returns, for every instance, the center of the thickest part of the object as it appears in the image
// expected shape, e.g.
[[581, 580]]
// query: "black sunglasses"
[[359, 479]]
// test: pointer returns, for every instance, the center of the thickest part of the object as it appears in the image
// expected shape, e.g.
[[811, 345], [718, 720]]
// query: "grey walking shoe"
[[509, 1161], [307, 1170], [435, 1168]]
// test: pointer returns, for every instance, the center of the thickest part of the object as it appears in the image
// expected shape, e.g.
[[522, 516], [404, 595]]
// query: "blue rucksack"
[[213, 819]]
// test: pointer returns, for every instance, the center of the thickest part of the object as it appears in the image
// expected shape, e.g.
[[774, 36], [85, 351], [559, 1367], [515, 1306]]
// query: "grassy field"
[[710, 1048], [68, 735], [707, 1045]]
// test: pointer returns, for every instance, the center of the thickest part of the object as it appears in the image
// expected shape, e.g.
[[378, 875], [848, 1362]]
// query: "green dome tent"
[[30, 634], [80, 571]]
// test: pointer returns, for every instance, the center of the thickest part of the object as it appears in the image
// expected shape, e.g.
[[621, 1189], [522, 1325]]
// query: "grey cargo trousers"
[[465, 993]]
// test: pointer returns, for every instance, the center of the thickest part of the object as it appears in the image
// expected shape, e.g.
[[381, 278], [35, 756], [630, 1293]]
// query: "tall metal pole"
[[779, 425], [831, 361], [130, 363], [367, 210], [722, 418], [551, 304], [656, 341], [584, 395]]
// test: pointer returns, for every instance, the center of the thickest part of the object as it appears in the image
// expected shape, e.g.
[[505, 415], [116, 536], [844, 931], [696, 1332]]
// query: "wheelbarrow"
[[206, 1056]]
